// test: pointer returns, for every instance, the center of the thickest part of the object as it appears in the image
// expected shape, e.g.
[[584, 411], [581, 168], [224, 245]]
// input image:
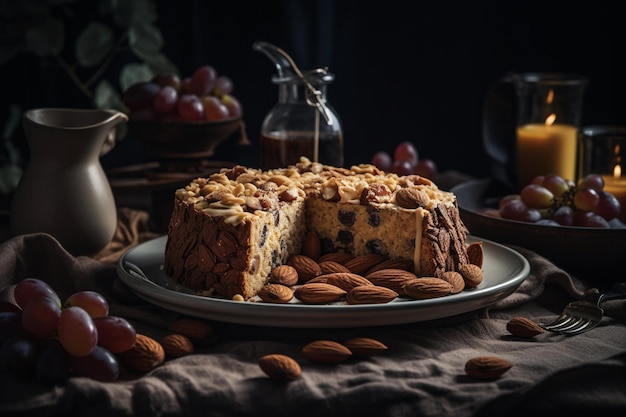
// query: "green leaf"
[[144, 39], [47, 38], [160, 64], [9, 178], [129, 12], [134, 73], [107, 97], [94, 43]]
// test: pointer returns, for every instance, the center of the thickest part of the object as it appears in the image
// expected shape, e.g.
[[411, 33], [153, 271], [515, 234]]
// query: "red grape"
[[518, 210], [162, 80], [536, 196], [99, 364], [586, 199], [190, 108], [10, 325], [402, 167], [30, 288], [203, 80], [608, 206], [564, 215], [91, 301], [223, 85], [589, 219], [382, 160], [556, 184], [53, 363], [77, 332], [140, 95], [232, 104], [19, 355], [406, 151], [425, 168], [165, 100], [214, 109], [594, 181], [115, 333], [40, 317]]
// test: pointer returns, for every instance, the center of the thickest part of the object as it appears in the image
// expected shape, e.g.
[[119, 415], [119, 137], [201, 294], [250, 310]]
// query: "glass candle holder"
[[549, 115], [602, 150]]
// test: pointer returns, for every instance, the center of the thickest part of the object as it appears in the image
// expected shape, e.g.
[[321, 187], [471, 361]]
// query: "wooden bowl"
[[593, 254], [171, 140]]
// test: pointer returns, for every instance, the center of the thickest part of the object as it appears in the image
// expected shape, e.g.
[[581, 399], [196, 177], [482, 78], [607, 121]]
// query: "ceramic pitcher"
[[64, 191]]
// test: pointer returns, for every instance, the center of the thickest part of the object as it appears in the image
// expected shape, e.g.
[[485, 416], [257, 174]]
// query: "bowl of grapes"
[[577, 226], [188, 117]]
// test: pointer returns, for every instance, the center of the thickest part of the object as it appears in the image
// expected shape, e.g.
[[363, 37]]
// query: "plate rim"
[[313, 316]]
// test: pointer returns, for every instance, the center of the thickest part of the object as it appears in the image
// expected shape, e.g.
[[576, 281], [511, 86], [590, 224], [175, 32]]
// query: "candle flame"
[[550, 97], [617, 171], [550, 119]]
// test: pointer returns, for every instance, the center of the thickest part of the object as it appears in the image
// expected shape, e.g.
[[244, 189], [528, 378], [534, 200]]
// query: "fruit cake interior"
[[228, 231]]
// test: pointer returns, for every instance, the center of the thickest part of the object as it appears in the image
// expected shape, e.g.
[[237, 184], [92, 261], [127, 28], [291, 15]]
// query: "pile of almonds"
[[366, 279]]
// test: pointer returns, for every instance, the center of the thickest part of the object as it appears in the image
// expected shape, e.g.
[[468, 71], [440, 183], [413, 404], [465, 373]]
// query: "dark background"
[[405, 71]]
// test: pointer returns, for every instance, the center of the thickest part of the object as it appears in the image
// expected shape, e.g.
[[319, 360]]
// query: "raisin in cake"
[[229, 230]]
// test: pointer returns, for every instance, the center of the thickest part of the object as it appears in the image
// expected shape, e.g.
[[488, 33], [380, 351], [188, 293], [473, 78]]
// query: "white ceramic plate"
[[141, 268]]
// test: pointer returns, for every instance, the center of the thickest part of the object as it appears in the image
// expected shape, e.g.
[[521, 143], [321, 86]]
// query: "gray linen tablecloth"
[[421, 373]]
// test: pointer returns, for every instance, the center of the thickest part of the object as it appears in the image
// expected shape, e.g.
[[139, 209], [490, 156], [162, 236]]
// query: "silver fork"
[[581, 316]]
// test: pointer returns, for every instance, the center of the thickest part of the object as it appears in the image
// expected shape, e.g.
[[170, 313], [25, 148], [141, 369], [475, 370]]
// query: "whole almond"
[[394, 263], [177, 345], [523, 327], [427, 287], [365, 347], [455, 279], [411, 198], [363, 263], [486, 367], [320, 278], [285, 275], [472, 274], [475, 253], [370, 294], [346, 280], [328, 267], [194, 329], [391, 278], [307, 267], [339, 257], [275, 293], [280, 367], [311, 246], [145, 354], [326, 351], [319, 293]]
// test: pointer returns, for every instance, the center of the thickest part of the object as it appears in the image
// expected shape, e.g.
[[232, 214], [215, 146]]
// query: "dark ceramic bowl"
[[588, 253], [170, 140]]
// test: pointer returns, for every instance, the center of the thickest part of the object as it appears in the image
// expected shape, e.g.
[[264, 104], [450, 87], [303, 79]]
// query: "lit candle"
[[546, 149], [616, 185]]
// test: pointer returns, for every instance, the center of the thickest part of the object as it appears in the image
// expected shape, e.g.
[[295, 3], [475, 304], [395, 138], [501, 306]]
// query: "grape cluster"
[[404, 161], [205, 96], [51, 341], [552, 200]]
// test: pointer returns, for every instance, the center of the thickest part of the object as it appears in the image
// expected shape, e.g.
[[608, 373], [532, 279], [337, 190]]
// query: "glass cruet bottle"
[[302, 122]]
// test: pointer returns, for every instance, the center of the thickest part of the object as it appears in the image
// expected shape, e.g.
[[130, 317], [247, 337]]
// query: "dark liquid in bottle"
[[280, 152]]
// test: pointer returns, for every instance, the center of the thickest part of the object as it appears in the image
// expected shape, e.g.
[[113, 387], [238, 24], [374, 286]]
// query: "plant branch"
[[72, 74], [109, 59]]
